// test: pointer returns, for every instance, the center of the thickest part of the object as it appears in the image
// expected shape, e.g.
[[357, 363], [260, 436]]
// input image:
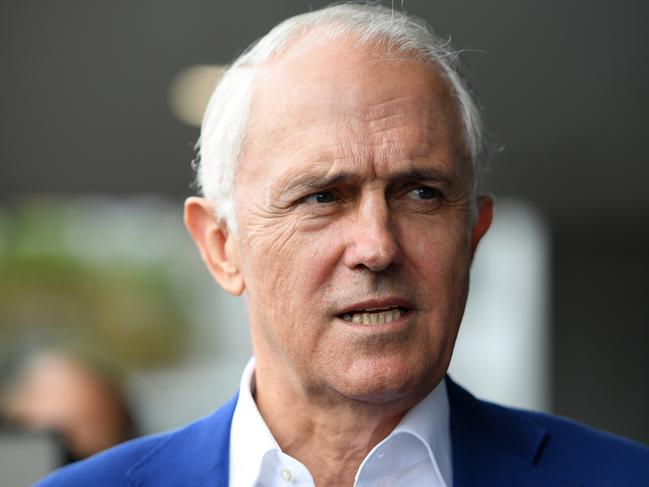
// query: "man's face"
[[354, 212]]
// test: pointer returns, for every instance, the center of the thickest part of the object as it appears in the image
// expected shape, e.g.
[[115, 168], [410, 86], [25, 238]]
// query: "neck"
[[328, 433]]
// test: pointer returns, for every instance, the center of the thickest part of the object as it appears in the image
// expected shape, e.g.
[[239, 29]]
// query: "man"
[[338, 166], [55, 391]]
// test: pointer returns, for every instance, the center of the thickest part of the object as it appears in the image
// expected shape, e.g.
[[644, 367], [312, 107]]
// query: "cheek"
[[287, 269], [439, 255], [440, 246]]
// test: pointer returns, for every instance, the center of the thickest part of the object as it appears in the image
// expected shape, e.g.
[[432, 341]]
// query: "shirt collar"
[[428, 422], [425, 432], [246, 456]]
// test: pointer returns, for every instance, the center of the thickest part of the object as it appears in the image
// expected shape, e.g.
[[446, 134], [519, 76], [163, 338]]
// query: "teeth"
[[374, 317]]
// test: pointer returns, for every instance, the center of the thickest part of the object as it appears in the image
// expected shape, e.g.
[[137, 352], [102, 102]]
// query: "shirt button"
[[286, 474]]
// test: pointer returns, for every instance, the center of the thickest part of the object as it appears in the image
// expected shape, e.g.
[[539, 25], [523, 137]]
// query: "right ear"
[[217, 247]]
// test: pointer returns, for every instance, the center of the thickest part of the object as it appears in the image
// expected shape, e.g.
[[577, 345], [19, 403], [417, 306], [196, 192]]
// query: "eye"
[[320, 197], [424, 193]]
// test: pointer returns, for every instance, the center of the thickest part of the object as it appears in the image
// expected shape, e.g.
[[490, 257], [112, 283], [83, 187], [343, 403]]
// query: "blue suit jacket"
[[492, 445]]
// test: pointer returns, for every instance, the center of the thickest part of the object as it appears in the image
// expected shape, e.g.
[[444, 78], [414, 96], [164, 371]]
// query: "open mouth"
[[374, 316]]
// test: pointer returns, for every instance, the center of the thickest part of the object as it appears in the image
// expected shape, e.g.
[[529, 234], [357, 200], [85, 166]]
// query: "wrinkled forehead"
[[313, 83]]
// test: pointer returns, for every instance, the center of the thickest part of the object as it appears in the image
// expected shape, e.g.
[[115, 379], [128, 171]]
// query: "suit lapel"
[[493, 445], [197, 455]]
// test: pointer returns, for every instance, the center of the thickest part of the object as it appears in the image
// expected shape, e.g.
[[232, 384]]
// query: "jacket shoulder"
[[584, 452], [108, 468], [491, 441], [193, 455]]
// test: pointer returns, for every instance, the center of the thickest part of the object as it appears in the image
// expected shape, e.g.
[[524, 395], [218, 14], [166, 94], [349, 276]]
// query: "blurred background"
[[99, 103]]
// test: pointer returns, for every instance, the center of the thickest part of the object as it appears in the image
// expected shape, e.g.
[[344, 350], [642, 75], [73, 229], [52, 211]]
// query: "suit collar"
[[493, 445], [196, 456]]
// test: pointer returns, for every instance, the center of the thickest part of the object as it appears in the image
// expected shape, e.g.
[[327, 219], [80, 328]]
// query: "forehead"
[[327, 101]]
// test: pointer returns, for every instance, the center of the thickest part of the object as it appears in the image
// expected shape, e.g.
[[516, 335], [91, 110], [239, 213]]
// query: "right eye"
[[321, 197]]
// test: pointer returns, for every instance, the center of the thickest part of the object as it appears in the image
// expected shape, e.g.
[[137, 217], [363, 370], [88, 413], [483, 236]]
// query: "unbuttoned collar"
[[426, 426], [250, 438]]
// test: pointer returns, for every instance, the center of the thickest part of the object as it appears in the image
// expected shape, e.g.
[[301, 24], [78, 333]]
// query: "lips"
[[375, 317], [376, 312]]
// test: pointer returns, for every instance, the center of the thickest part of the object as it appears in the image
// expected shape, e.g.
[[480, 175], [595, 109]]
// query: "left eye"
[[424, 193], [320, 197]]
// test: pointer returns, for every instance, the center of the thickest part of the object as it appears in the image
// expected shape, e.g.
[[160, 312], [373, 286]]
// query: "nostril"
[[374, 250], [372, 241]]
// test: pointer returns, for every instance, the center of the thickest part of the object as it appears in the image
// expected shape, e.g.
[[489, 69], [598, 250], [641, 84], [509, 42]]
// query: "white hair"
[[226, 117]]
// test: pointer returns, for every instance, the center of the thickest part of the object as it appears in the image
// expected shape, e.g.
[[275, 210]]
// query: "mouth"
[[377, 312], [374, 316]]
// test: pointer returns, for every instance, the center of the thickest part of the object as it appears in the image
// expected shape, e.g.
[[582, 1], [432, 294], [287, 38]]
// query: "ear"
[[217, 247], [483, 220]]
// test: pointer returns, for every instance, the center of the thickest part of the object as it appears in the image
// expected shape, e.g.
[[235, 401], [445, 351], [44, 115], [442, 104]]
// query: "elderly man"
[[338, 166]]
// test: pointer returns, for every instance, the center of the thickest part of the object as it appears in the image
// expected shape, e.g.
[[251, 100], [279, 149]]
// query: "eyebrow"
[[423, 174], [296, 183], [316, 180]]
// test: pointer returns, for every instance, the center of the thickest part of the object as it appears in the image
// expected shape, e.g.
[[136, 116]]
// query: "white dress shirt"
[[416, 453]]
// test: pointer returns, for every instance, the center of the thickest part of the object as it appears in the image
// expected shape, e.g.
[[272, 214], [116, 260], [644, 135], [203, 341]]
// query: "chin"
[[389, 381]]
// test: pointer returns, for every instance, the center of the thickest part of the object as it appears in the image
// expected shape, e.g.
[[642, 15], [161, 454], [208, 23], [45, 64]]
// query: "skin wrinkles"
[[358, 137], [345, 187], [285, 233], [375, 117], [395, 222], [364, 133], [296, 185], [362, 147], [305, 176]]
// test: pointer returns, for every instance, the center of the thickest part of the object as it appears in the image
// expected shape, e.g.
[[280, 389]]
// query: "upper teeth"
[[373, 317]]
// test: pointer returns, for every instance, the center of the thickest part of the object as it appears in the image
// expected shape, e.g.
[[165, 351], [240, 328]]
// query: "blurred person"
[[339, 159], [53, 391]]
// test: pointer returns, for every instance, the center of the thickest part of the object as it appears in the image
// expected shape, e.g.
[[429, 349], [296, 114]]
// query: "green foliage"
[[119, 306]]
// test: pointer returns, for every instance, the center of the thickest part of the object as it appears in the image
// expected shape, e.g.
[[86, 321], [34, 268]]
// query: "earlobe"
[[483, 220], [217, 247]]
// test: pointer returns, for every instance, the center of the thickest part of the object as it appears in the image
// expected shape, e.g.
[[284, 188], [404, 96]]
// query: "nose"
[[372, 241]]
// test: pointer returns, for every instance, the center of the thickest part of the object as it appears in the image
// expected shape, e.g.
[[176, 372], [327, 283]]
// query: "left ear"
[[483, 220]]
